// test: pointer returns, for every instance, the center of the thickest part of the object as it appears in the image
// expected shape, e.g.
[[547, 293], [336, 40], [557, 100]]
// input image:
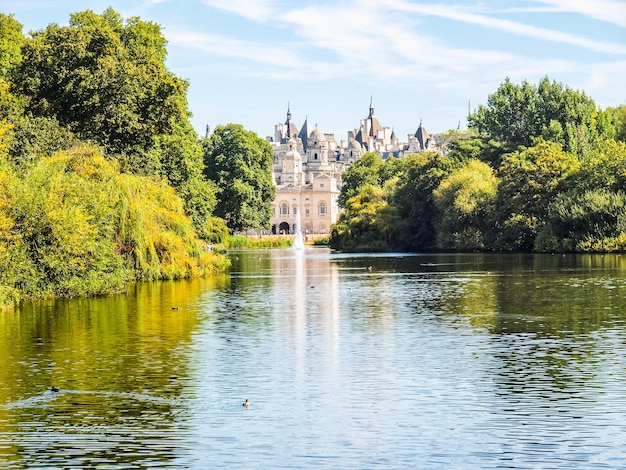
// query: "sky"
[[248, 61]]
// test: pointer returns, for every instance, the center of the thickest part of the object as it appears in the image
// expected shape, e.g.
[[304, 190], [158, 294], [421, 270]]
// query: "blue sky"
[[247, 59]]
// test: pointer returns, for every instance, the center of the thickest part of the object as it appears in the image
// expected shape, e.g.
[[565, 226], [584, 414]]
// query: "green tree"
[[239, 162], [106, 81], [369, 169], [37, 137], [585, 221], [11, 42], [466, 203], [516, 115], [484, 149], [414, 200], [72, 225], [618, 117], [363, 171], [365, 224], [529, 179], [603, 168]]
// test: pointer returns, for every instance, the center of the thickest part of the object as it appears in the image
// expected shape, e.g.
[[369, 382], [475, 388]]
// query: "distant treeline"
[[541, 168], [103, 180]]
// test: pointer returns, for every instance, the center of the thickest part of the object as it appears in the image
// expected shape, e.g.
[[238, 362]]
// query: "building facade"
[[308, 165]]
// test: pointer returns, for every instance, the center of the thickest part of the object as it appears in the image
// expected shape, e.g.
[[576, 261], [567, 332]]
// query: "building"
[[308, 165]]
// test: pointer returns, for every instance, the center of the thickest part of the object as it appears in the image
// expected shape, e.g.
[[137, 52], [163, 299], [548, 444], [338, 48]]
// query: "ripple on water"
[[420, 362]]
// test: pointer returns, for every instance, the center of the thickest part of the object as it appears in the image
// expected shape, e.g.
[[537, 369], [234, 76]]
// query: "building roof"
[[317, 136], [354, 145], [304, 133], [422, 136]]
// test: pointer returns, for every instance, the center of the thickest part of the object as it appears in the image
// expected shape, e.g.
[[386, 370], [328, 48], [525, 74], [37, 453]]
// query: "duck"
[[54, 389], [246, 403]]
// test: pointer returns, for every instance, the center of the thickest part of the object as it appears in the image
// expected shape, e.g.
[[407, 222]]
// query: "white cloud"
[[462, 15], [258, 10], [252, 57], [604, 10], [379, 40]]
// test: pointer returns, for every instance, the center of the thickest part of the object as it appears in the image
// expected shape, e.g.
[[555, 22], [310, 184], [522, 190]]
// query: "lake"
[[348, 360]]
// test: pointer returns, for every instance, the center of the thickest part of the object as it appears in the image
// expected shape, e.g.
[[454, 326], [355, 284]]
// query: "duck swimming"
[[54, 389], [246, 403]]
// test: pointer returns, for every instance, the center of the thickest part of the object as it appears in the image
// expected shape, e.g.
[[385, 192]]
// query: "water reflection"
[[117, 361], [349, 361]]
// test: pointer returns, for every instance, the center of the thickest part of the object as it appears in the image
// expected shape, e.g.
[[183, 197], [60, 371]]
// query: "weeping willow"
[[73, 225]]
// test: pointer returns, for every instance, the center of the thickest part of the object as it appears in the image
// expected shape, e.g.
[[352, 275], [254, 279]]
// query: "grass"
[[255, 242]]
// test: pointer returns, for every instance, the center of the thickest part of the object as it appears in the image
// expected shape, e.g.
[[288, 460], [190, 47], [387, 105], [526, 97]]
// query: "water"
[[349, 361]]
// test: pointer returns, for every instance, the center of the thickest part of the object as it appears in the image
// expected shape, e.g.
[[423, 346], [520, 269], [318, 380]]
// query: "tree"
[[106, 81], [363, 171], [37, 137], [369, 169], [414, 200], [484, 149], [618, 117], [11, 42], [603, 168], [466, 201], [529, 179], [239, 162], [516, 115], [73, 225], [585, 221]]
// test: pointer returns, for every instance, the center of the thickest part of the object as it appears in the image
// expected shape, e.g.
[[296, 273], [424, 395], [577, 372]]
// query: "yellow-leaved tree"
[[77, 226]]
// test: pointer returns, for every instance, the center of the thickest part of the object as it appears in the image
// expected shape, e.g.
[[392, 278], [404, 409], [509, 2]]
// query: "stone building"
[[308, 165], [307, 173]]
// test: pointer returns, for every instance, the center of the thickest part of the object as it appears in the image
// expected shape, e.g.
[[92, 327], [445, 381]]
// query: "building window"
[[295, 210], [306, 211], [284, 209], [321, 185], [322, 208], [315, 156]]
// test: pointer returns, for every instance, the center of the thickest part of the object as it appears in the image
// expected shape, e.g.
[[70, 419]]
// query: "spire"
[[371, 106], [292, 129]]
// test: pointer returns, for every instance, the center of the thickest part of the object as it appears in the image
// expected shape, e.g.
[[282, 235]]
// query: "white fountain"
[[298, 241]]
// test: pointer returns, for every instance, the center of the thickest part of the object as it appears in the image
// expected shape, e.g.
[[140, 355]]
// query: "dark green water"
[[349, 361]]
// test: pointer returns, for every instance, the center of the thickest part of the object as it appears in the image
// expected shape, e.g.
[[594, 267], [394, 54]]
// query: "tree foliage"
[[104, 79], [369, 169], [73, 225], [466, 203], [101, 172], [618, 118], [592, 220], [11, 42], [367, 223], [529, 179], [240, 163], [415, 202], [517, 114]]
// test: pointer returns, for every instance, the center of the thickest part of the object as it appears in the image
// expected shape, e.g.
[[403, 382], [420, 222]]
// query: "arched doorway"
[[283, 228]]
